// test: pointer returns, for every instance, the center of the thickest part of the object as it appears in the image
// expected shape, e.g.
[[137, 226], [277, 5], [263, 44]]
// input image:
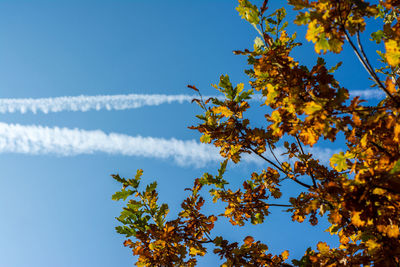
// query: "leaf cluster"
[[358, 192]]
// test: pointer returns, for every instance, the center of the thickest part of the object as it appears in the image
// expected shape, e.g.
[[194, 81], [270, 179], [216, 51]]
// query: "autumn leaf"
[[392, 52], [356, 220], [393, 231], [358, 191], [223, 110], [338, 162], [323, 248], [312, 107], [248, 240]]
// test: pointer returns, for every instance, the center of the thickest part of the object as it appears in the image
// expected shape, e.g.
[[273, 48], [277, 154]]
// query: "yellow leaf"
[[313, 31], [379, 191], [309, 137], [338, 162], [392, 52], [194, 251], [363, 141], [372, 245], [285, 255], [356, 220], [323, 248], [229, 211], [344, 239], [312, 107], [392, 231], [205, 138], [276, 116], [396, 132], [272, 93], [223, 110], [239, 88]]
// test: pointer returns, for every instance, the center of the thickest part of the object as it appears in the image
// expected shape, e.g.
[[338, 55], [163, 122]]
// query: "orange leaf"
[[285, 255], [248, 240], [356, 220], [323, 248], [393, 231], [390, 86]]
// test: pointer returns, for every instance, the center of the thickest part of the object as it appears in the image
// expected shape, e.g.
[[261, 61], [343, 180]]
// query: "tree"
[[359, 193]]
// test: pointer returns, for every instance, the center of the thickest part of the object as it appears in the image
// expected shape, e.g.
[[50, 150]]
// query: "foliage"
[[359, 193]]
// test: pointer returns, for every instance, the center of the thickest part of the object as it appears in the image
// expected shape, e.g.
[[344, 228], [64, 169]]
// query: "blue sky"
[[56, 209]]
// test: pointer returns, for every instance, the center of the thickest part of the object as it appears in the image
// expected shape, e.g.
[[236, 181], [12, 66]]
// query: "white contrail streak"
[[117, 102], [86, 103], [36, 140]]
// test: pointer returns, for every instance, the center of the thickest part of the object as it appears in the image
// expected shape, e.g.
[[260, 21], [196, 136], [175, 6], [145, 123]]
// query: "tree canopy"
[[358, 192]]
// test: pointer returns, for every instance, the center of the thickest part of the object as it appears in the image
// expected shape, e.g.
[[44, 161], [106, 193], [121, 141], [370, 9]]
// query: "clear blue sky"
[[57, 211]]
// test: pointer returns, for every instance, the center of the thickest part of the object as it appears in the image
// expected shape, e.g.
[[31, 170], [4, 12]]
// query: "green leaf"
[[224, 82], [334, 68], [227, 88], [338, 162], [248, 11], [222, 169], [119, 179], [322, 44], [139, 174], [396, 168], [151, 187], [302, 18], [205, 138], [123, 194], [377, 36]]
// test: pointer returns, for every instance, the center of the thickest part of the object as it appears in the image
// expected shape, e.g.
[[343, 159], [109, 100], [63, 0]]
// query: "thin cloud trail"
[[86, 103], [117, 102], [39, 140], [36, 140]]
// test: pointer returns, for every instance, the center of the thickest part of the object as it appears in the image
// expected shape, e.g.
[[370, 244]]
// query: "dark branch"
[[368, 68], [302, 152]]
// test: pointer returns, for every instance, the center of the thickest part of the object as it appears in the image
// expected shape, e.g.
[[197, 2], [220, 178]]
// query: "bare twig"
[[368, 68], [280, 169], [302, 152]]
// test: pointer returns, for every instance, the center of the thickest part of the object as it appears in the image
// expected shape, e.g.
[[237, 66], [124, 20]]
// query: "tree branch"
[[279, 168], [279, 205], [302, 152], [368, 68]]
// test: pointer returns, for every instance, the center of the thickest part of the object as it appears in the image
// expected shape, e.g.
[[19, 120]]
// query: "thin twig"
[[302, 152], [368, 68], [267, 160], [273, 154], [278, 205], [364, 55], [279, 168]]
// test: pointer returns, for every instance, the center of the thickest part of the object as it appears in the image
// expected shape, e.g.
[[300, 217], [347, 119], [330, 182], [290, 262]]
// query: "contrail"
[[117, 102], [86, 103], [37, 140]]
